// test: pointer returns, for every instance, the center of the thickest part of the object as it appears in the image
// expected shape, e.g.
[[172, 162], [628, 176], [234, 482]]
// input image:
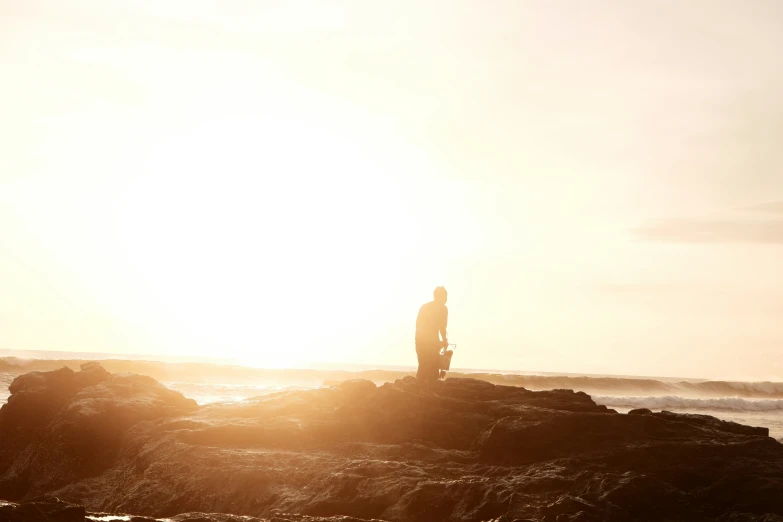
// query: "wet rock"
[[305, 518], [49, 510], [212, 517], [55, 510]]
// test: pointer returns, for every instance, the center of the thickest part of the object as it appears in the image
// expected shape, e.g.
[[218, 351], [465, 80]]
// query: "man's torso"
[[431, 319]]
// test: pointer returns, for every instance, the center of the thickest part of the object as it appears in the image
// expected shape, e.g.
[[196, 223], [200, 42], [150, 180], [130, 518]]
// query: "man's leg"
[[428, 366], [422, 357], [435, 363]]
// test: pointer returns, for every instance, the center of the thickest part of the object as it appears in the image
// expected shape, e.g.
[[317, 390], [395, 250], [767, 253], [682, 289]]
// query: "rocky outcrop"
[[123, 443], [61, 427]]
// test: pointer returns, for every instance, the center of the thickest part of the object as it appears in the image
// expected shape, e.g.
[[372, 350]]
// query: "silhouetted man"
[[431, 336]]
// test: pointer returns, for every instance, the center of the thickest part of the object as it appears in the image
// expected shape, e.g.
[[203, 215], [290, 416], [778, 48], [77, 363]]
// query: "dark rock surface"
[[123, 443], [48, 510], [52, 509]]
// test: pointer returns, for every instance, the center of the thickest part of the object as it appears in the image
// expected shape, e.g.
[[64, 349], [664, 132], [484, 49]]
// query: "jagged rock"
[[48, 510], [91, 373], [62, 426], [287, 517], [471, 451], [212, 517], [55, 510]]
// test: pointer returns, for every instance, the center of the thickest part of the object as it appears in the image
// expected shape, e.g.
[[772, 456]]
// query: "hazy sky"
[[599, 184]]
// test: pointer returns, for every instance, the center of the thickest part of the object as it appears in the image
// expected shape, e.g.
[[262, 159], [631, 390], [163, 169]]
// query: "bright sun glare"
[[261, 238]]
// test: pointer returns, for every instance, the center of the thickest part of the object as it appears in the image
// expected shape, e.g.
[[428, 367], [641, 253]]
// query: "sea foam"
[[674, 403]]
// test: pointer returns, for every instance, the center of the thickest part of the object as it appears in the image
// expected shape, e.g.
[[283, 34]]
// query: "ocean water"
[[750, 403], [208, 393], [5, 381], [759, 412]]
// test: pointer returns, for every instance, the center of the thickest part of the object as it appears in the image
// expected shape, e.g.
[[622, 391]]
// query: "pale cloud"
[[772, 207], [738, 227], [712, 231]]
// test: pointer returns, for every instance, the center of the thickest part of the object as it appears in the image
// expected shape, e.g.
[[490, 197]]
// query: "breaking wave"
[[688, 403], [207, 393], [629, 386], [5, 381]]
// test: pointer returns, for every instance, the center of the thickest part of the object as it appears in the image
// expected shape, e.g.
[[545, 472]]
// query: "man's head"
[[440, 295]]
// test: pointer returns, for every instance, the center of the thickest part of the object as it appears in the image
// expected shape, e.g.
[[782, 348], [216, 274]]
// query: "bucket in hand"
[[444, 360]]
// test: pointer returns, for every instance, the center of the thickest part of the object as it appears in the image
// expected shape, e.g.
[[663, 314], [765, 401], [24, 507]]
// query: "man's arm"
[[443, 328]]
